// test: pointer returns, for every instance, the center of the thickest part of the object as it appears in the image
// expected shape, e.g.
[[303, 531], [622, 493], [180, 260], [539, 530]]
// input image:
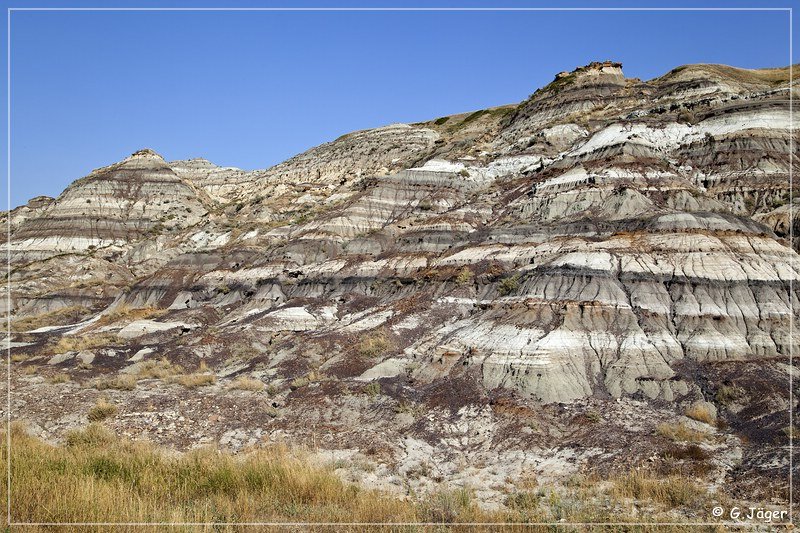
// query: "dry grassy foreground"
[[97, 477]]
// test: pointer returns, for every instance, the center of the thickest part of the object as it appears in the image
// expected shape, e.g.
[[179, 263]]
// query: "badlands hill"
[[538, 289]]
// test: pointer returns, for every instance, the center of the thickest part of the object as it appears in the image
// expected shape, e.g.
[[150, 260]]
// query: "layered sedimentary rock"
[[113, 206], [606, 239]]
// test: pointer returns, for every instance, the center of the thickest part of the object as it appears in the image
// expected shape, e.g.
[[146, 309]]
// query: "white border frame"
[[9, 522]]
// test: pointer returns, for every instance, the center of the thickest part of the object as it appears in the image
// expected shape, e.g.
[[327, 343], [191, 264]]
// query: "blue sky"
[[250, 89]]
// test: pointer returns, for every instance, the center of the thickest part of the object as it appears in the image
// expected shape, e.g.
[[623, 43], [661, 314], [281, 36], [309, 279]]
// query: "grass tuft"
[[121, 382], [375, 344], [201, 378], [58, 378], [101, 410], [77, 343], [680, 432], [701, 412], [247, 383], [671, 491]]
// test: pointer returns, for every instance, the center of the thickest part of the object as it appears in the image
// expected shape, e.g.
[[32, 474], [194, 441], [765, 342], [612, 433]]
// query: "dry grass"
[[680, 432], [121, 382], [201, 378], [191, 381], [61, 377], [98, 477], [59, 317], [247, 383], [312, 377], [374, 344], [670, 491], [161, 369], [125, 313], [29, 370], [101, 410], [77, 343], [702, 413]]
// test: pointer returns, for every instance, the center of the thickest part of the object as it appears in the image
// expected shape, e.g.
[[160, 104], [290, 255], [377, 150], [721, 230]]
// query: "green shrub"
[[509, 285]]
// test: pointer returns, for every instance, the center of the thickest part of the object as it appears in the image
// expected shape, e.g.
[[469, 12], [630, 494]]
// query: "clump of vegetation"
[[93, 435], [464, 276], [702, 412], [425, 204], [593, 416], [524, 500], [58, 317], [114, 480], [247, 384], [374, 344], [671, 491], [441, 120], [61, 377], [311, 377], [692, 452], [121, 382], [191, 381], [449, 506], [201, 378], [411, 408], [129, 314], [496, 113], [77, 343], [372, 389], [680, 432], [29, 370], [101, 410], [151, 369], [727, 394], [557, 85], [687, 117], [474, 116], [780, 201], [299, 382], [509, 285], [161, 369]]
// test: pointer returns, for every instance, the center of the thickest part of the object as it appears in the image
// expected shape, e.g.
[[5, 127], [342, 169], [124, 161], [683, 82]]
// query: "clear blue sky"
[[250, 89]]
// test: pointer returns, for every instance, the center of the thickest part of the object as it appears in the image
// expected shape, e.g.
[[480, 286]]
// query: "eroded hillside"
[[532, 289]]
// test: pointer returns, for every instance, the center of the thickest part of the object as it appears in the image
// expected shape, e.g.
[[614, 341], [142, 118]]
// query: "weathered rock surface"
[[468, 287]]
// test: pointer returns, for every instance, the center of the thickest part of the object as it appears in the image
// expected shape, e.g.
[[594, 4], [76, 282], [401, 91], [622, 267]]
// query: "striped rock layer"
[[599, 239]]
